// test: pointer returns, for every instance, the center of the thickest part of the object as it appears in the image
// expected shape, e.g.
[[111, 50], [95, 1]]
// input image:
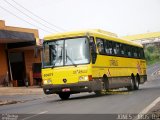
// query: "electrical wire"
[[38, 16], [28, 16], [23, 19]]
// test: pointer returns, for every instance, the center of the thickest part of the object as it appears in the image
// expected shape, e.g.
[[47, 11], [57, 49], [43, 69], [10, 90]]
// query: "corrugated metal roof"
[[142, 36], [13, 36]]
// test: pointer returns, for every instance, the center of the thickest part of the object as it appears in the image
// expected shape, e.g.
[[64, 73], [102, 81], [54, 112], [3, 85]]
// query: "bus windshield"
[[64, 52]]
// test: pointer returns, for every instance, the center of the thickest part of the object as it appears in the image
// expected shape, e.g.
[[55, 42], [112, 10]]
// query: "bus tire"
[[64, 96], [102, 90], [131, 87], [106, 82], [104, 86], [136, 82]]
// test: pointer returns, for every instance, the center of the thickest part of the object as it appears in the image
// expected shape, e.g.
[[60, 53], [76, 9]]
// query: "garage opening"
[[17, 66]]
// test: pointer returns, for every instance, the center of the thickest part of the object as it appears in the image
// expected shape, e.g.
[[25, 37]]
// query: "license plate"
[[66, 90]]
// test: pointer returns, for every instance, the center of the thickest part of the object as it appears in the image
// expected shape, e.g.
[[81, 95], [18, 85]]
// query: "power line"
[[39, 17], [28, 15], [23, 19]]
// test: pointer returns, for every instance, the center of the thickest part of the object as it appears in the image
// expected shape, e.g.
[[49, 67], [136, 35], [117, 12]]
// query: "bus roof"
[[92, 32]]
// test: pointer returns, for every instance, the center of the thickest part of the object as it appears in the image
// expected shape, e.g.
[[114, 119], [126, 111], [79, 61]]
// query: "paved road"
[[87, 103]]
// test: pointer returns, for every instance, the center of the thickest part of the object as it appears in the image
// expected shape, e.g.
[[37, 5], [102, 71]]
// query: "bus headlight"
[[83, 78], [47, 82]]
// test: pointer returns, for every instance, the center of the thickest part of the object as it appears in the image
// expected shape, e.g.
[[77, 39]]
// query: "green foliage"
[[151, 49], [152, 54]]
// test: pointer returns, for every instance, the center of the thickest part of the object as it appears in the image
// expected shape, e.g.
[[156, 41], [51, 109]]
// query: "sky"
[[123, 17]]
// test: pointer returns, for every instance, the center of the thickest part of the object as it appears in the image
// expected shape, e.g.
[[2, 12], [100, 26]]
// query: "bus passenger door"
[[93, 50]]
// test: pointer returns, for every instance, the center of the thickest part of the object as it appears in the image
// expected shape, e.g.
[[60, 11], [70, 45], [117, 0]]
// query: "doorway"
[[17, 65]]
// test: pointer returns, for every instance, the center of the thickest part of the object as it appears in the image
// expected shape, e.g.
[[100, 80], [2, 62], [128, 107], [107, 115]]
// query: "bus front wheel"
[[104, 87], [64, 96]]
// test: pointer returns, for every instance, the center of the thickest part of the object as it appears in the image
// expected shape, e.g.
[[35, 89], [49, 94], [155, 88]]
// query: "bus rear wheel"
[[131, 87], [64, 96], [136, 83]]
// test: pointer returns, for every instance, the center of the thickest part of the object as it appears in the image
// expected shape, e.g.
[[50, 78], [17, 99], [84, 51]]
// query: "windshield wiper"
[[58, 58], [70, 59]]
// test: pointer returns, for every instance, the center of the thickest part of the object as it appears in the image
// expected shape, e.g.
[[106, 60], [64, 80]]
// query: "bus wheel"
[[100, 92], [64, 96], [136, 83], [103, 87], [131, 87]]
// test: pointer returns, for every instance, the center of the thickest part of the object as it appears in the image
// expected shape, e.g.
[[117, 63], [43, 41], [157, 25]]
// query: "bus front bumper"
[[88, 86]]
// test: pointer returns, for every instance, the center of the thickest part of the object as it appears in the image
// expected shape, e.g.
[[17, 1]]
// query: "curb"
[[6, 102], [149, 107], [147, 113], [18, 91]]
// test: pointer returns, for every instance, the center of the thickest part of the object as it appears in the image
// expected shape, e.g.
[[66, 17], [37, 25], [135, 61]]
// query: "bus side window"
[[141, 53], [134, 52], [116, 48], [108, 47], [125, 50], [122, 49], [100, 46], [128, 51]]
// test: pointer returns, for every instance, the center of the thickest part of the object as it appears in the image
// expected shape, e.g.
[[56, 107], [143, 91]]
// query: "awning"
[[7, 36]]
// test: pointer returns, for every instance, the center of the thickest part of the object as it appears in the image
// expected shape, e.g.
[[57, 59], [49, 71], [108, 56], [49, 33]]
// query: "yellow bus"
[[91, 61]]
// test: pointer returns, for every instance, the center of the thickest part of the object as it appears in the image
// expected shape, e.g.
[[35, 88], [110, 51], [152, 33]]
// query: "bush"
[[152, 54]]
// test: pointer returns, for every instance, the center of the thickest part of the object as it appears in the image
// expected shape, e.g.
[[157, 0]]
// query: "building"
[[152, 38], [17, 54]]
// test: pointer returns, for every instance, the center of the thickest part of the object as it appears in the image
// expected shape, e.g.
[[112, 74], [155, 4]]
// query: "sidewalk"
[[155, 112], [13, 95], [20, 90]]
